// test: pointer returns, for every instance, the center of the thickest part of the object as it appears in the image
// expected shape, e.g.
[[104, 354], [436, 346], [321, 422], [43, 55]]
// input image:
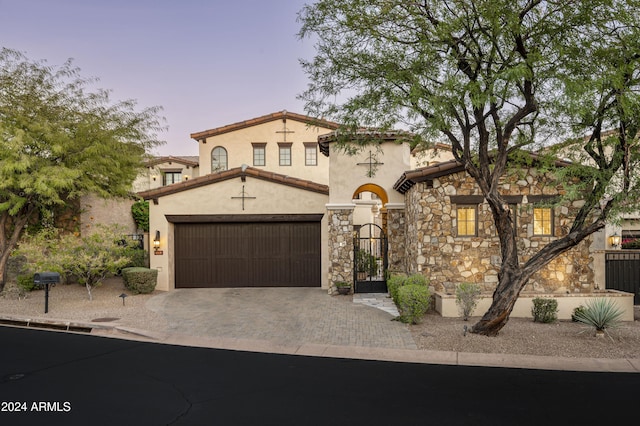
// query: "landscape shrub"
[[576, 312], [544, 310], [600, 313], [140, 280], [393, 284], [417, 279], [138, 257], [467, 296], [25, 282], [413, 302]]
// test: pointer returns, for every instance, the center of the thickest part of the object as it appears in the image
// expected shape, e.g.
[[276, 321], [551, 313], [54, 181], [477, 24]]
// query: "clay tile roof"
[[231, 174], [411, 177], [264, 119], [373, 135], [188, 160]]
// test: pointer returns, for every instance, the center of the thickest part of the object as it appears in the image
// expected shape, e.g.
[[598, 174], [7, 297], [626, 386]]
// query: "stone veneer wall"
[[340, 246], [434, 250], [396, 229]]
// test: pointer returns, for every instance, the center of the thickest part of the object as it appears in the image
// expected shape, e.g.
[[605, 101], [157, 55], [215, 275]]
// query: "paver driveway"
[[287, 316]]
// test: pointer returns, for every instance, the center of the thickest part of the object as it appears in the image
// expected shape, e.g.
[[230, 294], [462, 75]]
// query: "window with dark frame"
[[172, 177], [542, 221], [218, 159], [259, 154], [467, 218], [284, 153], [310, 154]]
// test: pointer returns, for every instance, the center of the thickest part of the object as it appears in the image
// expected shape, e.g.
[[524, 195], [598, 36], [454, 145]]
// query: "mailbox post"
[[46, 279]]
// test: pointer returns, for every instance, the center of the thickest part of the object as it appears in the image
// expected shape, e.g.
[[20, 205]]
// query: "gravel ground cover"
[[523, 336], [519, 336]]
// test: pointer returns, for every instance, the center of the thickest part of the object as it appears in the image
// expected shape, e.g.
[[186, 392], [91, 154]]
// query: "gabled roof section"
[[187, 160], [394, 136], [241, 172], [282, 115], [423, 174]]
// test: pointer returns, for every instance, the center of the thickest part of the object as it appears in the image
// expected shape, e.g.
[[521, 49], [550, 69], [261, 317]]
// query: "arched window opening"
[[218, 159]]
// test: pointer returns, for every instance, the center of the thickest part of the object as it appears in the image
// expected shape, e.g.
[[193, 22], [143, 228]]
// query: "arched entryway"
[[370, 259], [381, 196]]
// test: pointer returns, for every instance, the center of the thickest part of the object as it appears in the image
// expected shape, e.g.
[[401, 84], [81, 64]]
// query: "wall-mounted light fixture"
[[614, 240], [156, 244], [154, 177], [186, 177]]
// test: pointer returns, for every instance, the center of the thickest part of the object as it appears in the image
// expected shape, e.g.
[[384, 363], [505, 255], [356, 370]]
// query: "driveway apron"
[[285, 316]]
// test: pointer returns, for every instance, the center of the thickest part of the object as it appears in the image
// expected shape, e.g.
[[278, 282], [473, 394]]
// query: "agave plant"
[[601, 314]]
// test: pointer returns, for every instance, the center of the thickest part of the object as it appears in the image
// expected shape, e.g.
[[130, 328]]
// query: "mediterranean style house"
[[275, 201]]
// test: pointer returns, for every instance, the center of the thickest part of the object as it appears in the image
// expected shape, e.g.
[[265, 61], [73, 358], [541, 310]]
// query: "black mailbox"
[[46, 278]]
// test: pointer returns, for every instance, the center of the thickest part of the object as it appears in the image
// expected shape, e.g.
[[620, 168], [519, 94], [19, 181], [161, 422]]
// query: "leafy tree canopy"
[[60, 140], [493, 78]]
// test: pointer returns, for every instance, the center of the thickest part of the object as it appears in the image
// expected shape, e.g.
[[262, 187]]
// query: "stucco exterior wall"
[[347, 176], [271, 198], [96, 210], [434, 249], [238, 144], [151, 177]]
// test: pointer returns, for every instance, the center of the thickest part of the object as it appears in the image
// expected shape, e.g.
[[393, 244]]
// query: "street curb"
[[625, 365]]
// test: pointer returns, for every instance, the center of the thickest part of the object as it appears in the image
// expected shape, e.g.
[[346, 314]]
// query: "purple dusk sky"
[[208, 63]]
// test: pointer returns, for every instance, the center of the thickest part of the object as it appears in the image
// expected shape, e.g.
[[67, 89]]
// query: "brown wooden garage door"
[[264, 254]]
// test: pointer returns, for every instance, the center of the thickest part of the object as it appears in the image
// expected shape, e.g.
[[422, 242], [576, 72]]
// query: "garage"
[[247, 251]]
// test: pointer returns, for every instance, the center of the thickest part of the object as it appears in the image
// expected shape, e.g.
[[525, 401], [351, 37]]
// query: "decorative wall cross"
[[373, 164], [243, 196], [284, 130]]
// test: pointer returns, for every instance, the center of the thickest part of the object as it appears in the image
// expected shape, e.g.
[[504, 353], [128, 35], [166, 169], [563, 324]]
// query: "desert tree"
[[494, 78], [61, 139]]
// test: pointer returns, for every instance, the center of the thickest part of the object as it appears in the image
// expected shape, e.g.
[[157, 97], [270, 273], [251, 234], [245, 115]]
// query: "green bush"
[[544, 310], [467, 296], [25, 282], [140, 213], [577, 311], [366, 262], [138, 257], [417, 279], [393, 284], [140, 280], [600, 313], [413, 302]]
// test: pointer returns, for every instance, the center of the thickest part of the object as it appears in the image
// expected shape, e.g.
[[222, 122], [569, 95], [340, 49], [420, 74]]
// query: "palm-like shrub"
[[600, 313]]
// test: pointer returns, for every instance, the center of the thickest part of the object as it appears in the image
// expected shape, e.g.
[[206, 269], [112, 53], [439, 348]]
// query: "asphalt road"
[[54, 378]]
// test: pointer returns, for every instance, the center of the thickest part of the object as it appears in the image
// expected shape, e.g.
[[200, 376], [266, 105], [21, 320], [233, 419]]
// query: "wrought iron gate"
[[370, 259], [623, 272]]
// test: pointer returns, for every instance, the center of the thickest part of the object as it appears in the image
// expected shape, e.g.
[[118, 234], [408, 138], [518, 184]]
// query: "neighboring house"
[[277, 203], [159, 171], [163, 171]]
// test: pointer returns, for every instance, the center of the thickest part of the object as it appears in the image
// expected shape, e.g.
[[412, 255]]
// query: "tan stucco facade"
[[216, 198], [154, 174], [282, 129]]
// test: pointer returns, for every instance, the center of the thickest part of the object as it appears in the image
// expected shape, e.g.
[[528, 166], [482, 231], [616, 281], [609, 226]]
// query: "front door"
[[370, 259]]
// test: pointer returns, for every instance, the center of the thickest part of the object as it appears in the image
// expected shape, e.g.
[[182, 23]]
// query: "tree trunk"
[[510, 283], [3, 268]]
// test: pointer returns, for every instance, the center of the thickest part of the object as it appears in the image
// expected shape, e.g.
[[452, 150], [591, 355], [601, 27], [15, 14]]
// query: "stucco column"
[[396, 237], [340, 219]]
